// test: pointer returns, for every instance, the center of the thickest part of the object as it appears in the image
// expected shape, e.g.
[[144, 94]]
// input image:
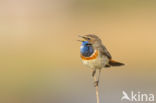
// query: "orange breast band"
[[91, 57]]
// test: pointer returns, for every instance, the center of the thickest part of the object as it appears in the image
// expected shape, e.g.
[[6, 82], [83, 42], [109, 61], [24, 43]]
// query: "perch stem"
[[97, 90]]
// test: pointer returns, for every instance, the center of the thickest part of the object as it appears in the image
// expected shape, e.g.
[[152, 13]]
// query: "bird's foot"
[[96, 83], [93, 73]]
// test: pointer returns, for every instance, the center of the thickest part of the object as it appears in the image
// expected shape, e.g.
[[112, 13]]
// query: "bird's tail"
[[115, 63]]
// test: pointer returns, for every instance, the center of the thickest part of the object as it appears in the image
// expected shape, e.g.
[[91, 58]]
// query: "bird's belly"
[[96, 63]]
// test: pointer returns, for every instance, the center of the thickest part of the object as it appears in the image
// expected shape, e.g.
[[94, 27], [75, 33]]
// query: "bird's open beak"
[[80, 40], [81, 37], [84, 37]]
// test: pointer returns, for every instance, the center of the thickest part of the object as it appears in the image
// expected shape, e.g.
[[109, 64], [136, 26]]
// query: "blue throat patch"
[[86, 50]]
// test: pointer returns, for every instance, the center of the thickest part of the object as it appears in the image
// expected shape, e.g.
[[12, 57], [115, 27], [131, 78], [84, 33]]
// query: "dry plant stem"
[[97, 90]]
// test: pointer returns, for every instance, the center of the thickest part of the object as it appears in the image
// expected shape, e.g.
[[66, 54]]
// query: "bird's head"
[[91, 39]]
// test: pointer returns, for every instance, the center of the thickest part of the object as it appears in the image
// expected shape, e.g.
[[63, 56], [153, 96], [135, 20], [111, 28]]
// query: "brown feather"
[[115, 63]]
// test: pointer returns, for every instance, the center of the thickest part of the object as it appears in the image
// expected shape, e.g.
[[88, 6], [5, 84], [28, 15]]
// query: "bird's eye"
[[88, 38]]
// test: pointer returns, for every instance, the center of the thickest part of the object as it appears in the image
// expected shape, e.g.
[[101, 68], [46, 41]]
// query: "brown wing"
[[105, 52]]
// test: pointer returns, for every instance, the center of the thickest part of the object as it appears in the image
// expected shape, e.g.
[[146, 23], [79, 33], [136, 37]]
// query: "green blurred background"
[[39, 54]]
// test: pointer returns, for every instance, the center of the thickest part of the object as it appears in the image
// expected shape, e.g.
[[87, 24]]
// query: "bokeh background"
[[39, 54]]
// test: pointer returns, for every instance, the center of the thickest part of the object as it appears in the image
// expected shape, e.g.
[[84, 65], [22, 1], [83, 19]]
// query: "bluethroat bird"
[[95, 55]]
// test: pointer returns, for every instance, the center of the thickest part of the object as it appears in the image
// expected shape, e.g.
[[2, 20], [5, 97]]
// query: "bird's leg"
[[97, 81], [93, 73], [99, 75]]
